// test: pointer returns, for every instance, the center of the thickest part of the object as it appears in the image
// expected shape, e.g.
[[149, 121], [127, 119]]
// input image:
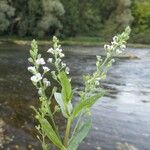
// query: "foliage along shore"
[[76, 41]]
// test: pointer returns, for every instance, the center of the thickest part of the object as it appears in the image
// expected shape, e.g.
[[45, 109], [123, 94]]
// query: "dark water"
[[123, 116]]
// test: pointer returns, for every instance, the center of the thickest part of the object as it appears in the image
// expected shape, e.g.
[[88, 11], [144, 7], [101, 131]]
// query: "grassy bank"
[[82, 41]]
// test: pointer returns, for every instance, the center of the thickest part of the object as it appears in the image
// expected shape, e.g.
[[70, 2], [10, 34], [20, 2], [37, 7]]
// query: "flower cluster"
[[56, 52], [38, 62], [102, 65], [118, 43]]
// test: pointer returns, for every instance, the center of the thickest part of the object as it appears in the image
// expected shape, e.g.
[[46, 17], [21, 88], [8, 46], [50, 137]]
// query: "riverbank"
[[78, 41]]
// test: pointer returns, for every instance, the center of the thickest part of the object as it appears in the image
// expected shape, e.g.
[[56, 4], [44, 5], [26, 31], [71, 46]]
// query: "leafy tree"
[[70, 19], [38, 17], [50, 20], [26, 17], [89, 18], [6, 13], [141, 24], [119, 18], [105, 8], [141, 13], [75, 18]]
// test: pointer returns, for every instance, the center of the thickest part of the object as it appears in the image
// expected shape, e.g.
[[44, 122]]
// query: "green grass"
[[80, 40], [88, 41]]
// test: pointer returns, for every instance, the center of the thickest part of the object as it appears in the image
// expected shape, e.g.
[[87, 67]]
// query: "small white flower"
[[63, 65], [59, 50], [61, 55], [54, 75], [98, 57], [108, 54], [67, 70], [36, 78], [106, 46], [98, 79], [46, 69], [111, 47], [97, 63], [50, 50], [50, 60], [118, 51], [113, 60], [32, 69], [96, 82], [40, 91], [114, 43], [115, 38], [123, 47], [58, 60], [40, 61], [46, 82]]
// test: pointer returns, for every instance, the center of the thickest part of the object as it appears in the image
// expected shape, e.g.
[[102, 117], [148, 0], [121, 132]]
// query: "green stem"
[[50, 111], [76, 126], [67, 132], [105, 61]]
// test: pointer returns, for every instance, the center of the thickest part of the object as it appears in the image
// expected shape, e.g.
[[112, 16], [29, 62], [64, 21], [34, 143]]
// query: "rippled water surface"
[[123, 116]]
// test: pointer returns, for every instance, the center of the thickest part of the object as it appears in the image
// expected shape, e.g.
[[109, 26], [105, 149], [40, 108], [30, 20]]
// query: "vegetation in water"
[[64, 93]]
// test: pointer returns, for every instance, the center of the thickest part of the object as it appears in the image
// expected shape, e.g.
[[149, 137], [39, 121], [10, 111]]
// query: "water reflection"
[[121, 116]]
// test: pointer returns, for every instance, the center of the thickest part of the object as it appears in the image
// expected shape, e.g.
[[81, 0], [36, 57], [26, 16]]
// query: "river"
[[122, 116]]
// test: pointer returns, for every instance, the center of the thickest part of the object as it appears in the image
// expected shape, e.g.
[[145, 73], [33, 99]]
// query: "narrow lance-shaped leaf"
[[47, 128], [66, 87], [79, 136], [87, 103], [60, 102]]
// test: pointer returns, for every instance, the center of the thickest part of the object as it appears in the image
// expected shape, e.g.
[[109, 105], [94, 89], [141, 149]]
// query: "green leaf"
[[87, 103], [47, 128], [79, 136], [60, 102], [66, 87], [69, 108]]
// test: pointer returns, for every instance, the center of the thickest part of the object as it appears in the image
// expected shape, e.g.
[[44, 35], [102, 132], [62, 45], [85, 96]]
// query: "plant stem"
[[76, 126], [50, 111], [67, 132]]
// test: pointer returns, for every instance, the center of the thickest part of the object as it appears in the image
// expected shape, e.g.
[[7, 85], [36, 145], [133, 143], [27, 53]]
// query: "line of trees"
[[68, 18]]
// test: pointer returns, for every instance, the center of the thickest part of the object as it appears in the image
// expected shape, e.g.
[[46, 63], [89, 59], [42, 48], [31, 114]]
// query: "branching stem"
[[67, 132]]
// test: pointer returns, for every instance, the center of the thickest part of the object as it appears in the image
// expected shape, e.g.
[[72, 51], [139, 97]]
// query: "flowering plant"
[[91, 92]]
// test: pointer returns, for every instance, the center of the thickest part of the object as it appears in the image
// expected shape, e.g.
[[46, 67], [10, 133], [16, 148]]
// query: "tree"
[[6, 13], [70, 19], [89, 18], [26, 17], [141, 15], [38, 18], [141, 24], [50, 20], [119, 18]]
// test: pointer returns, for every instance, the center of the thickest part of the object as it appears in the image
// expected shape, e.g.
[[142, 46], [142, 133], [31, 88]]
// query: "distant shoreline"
[[70, 42]]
